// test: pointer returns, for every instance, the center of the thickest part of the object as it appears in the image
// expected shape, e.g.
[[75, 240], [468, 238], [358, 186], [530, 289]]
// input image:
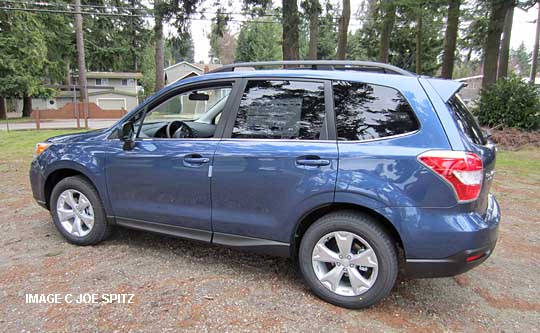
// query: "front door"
[[274, 162], [163, 183]]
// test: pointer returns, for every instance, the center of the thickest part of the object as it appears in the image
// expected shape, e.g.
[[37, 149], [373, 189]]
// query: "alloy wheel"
[[345, 263], [75, 213]]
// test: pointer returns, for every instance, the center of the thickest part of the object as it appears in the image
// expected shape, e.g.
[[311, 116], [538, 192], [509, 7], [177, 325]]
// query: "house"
[[471, 91], [110, 95], [184, 69]]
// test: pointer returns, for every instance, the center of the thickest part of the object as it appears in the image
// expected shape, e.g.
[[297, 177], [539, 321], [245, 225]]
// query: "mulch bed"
[[515, 139]]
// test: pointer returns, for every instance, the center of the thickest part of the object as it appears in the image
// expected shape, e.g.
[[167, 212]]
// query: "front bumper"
[[37, 182], [480, 248]]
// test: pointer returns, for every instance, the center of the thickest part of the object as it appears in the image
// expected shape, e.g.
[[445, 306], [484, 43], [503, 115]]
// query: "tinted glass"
[[466, 121], [365, 111], [281, 110]]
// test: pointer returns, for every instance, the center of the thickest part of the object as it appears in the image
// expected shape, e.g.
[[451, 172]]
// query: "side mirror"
[[126, 133]]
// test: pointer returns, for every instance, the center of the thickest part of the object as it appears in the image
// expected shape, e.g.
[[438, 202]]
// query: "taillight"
[[462, 170]]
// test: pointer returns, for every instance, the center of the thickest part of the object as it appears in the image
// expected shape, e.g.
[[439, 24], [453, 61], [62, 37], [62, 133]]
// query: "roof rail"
[[365, 66]]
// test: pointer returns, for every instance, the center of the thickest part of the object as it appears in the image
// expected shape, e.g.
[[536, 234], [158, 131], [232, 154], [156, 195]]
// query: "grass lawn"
[[21, 144], [19, 120]]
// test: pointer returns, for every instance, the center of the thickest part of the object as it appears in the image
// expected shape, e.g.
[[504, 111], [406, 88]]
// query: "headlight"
[[41, 147]]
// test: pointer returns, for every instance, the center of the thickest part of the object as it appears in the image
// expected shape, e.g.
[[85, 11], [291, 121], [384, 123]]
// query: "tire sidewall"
[[386, 257], [99, 227]]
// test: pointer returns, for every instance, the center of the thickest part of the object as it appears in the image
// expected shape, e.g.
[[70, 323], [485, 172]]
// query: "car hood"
[[65, 138]]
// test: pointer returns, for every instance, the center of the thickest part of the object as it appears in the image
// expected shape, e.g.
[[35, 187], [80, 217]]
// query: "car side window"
[[367, 111], [281, 109]]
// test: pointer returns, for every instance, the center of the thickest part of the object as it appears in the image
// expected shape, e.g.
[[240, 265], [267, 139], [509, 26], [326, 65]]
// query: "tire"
[[99, 230], [382, 271]]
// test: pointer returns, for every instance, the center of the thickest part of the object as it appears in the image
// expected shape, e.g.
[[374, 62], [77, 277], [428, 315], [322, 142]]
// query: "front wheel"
[[77, 211], [348, 260]]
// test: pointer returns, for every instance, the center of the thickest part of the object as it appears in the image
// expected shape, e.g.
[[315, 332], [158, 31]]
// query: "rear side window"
[[466, 121], [366, 112], [276, 109]]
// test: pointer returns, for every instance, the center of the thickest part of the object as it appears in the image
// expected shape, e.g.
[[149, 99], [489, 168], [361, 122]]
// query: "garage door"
[[112, 103]]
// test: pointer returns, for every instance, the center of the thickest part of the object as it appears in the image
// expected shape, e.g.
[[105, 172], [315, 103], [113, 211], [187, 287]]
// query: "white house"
[[184, 69]]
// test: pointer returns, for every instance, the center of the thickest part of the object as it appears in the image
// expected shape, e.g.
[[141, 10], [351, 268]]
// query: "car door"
[[162, 184], [275, 161]]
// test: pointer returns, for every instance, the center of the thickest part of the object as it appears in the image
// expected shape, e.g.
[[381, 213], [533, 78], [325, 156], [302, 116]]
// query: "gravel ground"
[[182, 285]]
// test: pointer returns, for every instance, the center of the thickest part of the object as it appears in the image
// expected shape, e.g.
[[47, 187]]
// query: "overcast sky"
[[523, 27]]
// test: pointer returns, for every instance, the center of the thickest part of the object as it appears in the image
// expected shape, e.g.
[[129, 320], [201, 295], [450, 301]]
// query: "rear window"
[[367, 112], [466, 121]]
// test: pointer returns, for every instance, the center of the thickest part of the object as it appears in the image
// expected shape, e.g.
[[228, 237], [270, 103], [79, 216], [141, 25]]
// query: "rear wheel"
[[348, 260], [78, 213]]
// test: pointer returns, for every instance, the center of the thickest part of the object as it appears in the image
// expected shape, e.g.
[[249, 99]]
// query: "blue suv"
[[356, 169]]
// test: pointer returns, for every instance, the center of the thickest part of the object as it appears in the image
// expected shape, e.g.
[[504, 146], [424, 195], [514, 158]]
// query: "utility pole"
[[534, 66], [80, 61]]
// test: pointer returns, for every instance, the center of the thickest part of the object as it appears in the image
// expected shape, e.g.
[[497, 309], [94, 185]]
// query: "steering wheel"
[[184, 131], [172, 127]]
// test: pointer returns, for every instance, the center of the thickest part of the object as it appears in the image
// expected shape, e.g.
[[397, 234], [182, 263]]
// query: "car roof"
[[376, 78]]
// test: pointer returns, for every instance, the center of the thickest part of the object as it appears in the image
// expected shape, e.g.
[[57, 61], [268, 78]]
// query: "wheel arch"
[[62, 172], [310, 217]]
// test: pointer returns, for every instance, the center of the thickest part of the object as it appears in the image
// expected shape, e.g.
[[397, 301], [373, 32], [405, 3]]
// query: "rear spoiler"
[[445, 88]]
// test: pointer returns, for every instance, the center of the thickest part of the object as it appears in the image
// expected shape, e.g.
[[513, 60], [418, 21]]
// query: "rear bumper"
[[480, 245]]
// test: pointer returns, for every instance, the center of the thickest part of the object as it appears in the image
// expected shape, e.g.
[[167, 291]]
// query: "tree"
[[24, 57], [179, 48], [83, 86], [389, 10], [313, 10], [159, 12], [178, 12], [534, 67], [450, 39], [258, 41], [520, 60], [343, 25], [364, 43], [498, 9], [290, 30], [504, 53]]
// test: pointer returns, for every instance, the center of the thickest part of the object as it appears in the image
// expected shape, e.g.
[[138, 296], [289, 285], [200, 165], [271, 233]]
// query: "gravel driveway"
[[183, 285]]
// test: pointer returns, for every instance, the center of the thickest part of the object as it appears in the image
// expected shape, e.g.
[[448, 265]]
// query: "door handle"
[[196, 159], [312, 161]]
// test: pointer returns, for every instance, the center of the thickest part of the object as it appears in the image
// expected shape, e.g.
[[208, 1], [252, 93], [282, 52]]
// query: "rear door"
[[275, 161]]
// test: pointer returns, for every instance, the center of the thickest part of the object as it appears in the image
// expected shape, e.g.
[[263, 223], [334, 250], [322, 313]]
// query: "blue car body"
[[252, 194]]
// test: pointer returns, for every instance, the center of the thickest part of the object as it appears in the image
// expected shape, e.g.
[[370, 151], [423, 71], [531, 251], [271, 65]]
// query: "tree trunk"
[[81, 61], [68, 73], [419, 29], [314, 12], [493, 40], [534, 67], [27, 106], [343, 28], [290, 30], [450, 39], [388, 25], [504, 53], [3, 113], [160, 45], [133, 37]]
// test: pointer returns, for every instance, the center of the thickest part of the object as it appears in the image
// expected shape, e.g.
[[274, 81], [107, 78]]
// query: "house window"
[[102, 82], [124, 82]]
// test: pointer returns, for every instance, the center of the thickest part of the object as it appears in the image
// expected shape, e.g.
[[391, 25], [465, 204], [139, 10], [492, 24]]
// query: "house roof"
[[470, 78], [185, 63], [113, 75], [198, 67]]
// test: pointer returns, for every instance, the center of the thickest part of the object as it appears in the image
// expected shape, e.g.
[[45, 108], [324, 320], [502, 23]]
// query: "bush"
[[510, 103]]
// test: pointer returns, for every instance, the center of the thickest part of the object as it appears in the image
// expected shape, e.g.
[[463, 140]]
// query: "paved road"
[[58, 123]]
